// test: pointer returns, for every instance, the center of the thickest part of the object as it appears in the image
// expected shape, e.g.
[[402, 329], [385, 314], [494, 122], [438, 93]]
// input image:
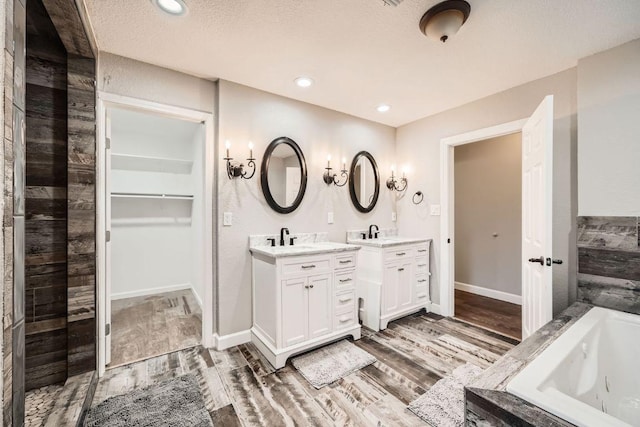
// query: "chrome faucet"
[[371, 234], [282, 231]]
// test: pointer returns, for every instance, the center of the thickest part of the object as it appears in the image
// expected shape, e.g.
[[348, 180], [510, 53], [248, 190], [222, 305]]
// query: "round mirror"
[[283, 175], [364, 182]]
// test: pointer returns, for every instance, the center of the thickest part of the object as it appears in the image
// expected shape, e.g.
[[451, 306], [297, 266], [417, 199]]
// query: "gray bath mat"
[[328, 364], [176, 402], [443, 404]]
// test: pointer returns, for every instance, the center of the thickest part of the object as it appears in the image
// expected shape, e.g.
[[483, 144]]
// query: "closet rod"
[[153, 196]]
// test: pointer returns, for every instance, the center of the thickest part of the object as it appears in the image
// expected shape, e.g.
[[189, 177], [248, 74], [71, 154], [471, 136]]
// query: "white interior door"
[[537, 179], [107, 180]]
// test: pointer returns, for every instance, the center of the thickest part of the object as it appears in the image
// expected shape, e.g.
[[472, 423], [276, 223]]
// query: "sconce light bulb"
[[344, 160], [405, 170], [329, 157], [250, 145], [393, 168], [227, 144]]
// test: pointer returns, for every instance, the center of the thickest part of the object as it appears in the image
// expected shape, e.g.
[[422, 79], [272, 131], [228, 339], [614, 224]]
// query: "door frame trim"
[[447, 145], [109, 100]]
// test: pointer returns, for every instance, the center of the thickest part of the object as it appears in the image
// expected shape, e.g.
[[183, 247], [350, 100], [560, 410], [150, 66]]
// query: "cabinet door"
[[405, 285], [390, 288], [294, 311], [320, 305]]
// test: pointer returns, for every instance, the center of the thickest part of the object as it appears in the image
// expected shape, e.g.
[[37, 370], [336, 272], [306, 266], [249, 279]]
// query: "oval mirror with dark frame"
[[283, 175], [364, 182]]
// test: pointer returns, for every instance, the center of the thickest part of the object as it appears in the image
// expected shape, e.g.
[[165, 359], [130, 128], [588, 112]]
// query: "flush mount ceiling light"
[[445, 19], [304, 81], [172, 7], [383, 108]]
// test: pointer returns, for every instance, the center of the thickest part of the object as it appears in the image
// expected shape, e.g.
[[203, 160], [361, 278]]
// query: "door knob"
[[553, 261], [540, 260]]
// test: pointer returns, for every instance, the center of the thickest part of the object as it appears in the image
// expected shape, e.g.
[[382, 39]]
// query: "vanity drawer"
[[422, 294], [311, 265], [345, 302], [346, 261], [345, 280], [422, 280], [422, 265], [344, 320], [422, 250], [399, 253]]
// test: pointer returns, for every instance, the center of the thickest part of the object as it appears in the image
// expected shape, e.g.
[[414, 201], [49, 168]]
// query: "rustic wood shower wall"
[[46, 202]]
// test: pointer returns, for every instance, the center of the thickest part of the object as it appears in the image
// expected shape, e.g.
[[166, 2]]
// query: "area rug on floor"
[[176, 402], [443, 404], [328, 364]]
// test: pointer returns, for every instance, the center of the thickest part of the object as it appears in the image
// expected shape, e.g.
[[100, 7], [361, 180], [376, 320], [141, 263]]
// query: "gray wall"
[[488, 200], [609, 132], [418, 144], [248, 114]]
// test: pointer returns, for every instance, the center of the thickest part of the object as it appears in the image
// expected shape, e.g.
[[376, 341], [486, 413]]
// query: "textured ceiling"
[[361, 52]]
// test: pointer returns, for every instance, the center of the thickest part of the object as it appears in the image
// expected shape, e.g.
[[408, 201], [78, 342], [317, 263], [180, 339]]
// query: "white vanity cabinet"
[[393, 281], [302, 301]]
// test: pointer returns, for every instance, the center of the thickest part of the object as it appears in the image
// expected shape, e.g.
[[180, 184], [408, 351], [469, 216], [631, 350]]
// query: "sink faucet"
[[371, 235], [282, 231]]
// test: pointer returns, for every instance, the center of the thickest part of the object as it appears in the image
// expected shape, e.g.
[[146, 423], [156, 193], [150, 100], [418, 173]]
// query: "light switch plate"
[[227, 219], [394, 216], [435, 210], [330, 218]]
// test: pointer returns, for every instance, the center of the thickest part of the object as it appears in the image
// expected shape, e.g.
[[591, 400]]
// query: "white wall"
[[418, 144], [609, 132], [488, 200], [248, 114]]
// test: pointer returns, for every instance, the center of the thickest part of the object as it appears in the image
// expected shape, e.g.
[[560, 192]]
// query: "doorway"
[[487, 226], [157, 183]]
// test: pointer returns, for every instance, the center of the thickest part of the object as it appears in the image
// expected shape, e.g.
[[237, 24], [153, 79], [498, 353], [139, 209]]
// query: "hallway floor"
[[241, 388], [148, 326], [492, 314]]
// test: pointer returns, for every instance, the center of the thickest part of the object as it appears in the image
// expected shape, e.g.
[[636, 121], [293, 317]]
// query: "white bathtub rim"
[[527, 384]]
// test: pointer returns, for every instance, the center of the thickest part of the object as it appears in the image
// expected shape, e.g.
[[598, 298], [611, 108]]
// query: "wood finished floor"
[[241, 388], [152, 325], [502, 317]]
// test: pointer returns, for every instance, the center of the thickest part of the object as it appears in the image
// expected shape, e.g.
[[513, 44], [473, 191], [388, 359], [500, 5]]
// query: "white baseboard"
[[499, 295], [151, 291], [434, 308], [223, 342], [197, 297]]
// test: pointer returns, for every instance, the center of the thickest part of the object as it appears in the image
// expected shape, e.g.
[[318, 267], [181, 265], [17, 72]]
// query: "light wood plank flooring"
[[241, 388], [495, 315], [152, 325]]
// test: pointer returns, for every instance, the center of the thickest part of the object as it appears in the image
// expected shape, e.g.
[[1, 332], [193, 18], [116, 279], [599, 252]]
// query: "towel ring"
[[420, 196]]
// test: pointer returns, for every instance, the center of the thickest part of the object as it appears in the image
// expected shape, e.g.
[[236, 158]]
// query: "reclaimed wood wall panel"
[[46, 202], [81, 228]]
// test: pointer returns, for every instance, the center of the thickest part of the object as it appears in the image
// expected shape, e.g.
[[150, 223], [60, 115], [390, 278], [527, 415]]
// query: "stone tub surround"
[[609, 262], [486, 400]]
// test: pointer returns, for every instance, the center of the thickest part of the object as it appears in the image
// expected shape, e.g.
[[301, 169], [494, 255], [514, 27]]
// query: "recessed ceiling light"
[[172, 7], [304, 81], [383, 108]]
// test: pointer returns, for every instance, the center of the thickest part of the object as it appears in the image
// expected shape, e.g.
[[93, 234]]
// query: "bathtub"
[[590, 375]]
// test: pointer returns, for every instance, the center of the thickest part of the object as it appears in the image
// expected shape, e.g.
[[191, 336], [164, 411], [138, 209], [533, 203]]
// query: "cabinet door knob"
[[311, 286]]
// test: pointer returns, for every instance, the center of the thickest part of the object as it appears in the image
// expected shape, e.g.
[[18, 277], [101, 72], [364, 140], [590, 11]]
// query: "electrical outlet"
[[330, 218], [394, 216], [435, 210], [227, 219]]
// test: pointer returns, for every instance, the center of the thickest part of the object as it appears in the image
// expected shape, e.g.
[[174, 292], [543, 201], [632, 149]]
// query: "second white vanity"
[[393, 278], [303, 296]]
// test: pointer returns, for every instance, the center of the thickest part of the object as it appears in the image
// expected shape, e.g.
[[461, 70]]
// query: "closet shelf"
[[152, 196], [133, 162]]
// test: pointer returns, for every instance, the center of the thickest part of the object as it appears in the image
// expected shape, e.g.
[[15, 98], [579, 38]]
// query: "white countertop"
[[385, 242], [303, 249]]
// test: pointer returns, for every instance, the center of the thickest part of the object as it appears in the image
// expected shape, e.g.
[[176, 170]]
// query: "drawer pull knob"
[[311, 286], [344, 280], [306, 286], [345, 262], [422, 250], [345, 319], [401, 269], [400, 253], [345, 299], [422, 265], [422, 280], [309, 266]]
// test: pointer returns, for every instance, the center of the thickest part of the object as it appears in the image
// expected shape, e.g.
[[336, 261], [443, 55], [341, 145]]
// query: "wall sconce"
[[329, 179], [398, 185], [235, 169]]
